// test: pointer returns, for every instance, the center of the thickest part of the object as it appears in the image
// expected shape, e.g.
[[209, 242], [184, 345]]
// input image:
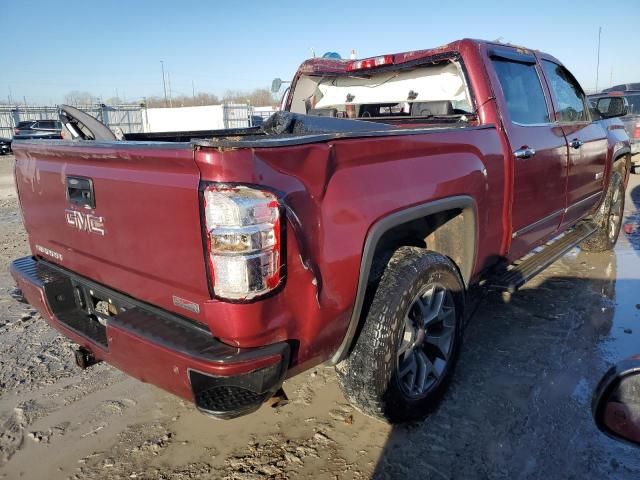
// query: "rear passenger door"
[[538, 147], [587, 142]]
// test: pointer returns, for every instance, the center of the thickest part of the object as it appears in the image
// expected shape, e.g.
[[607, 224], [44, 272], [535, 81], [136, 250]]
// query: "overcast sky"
[[113, 46]]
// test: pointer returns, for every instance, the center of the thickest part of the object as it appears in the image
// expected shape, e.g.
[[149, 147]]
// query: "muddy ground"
[[517, 408]]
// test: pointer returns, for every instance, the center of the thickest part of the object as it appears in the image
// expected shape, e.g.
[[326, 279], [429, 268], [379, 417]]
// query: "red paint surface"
[[337, 190]]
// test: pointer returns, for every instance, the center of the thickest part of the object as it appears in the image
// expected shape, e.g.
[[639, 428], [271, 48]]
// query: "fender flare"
[[378, 229], [621, 151]]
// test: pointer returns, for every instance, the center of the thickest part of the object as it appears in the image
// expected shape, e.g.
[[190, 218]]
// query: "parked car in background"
[[256, 120], [631, 120], [5, 146], [29, 129], [622, 88]]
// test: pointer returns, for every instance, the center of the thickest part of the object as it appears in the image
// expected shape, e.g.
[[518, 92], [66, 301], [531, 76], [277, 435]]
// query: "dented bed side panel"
[[333, 193]]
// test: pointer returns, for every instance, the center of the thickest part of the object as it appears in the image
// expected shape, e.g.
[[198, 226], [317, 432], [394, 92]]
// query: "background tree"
[[260, 97], [77, 97]]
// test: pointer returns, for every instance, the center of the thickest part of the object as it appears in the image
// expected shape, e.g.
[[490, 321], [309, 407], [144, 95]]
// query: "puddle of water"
[[624, 337], [582, 392]]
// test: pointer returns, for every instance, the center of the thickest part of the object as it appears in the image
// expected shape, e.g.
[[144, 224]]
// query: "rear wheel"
[[406, 351], [608, 219]]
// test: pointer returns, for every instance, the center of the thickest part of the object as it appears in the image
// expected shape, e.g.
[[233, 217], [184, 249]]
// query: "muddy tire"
[[608, 219], [407, 349]]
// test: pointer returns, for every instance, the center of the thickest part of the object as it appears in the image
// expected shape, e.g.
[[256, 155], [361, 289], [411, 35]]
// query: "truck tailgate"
[[124, 215]]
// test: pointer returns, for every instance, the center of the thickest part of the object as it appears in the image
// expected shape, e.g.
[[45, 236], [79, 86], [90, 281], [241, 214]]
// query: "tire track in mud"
[[14, 425], [11, 435]]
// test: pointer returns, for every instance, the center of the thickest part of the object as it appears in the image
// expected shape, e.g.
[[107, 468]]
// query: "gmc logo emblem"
[[85, 222]]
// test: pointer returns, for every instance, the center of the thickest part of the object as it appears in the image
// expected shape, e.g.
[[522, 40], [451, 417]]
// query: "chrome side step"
[[517, 274]]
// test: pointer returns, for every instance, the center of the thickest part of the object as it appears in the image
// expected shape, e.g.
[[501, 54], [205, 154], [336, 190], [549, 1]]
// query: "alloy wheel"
[[427, 340]]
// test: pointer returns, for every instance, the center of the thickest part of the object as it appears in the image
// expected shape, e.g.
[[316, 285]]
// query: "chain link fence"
[[129, 118], [236, 115]]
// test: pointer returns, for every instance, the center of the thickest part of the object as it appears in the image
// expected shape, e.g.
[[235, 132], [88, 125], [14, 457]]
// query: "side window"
[[634, 103], [571, 105], [522, 92]]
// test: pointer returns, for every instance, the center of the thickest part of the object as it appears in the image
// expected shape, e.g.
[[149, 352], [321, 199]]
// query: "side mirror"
[[610, 107], [276, 84], [616, 402]]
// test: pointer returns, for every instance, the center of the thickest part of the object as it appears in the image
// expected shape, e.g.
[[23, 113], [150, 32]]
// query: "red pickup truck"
[[350, 228]]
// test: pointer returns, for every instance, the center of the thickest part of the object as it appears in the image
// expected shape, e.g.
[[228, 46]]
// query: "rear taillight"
[[16, 131], [636, 131], [370, 63], [243, 240]]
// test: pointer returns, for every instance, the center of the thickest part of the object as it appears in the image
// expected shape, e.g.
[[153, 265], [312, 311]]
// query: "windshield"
[[425, 91]]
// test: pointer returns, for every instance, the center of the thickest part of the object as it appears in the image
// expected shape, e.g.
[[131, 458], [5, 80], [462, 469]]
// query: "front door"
[[538, 147], [587, 142]]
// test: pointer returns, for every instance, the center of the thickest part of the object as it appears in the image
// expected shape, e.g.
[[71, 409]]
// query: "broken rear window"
[[436, 90]]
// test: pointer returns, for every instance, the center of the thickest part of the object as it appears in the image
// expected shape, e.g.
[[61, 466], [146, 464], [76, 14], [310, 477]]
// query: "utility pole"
[[164, 85], [611, 78], [193, 92], [598, 64]]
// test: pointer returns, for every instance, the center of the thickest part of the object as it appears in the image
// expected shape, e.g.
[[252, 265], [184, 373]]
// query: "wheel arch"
[[455, 236], [622, 163]]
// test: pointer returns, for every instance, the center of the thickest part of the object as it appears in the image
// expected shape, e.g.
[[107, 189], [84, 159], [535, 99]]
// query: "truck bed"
[[284, 128]]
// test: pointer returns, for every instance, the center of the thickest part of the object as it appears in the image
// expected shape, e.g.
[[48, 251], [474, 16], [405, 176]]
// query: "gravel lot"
[[518, 406]]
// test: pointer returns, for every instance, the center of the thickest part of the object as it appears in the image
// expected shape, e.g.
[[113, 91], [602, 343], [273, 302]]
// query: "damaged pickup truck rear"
[[351, 228]]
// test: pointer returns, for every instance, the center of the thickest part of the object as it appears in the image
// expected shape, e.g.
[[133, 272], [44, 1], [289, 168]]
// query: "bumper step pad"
[[59, 293]]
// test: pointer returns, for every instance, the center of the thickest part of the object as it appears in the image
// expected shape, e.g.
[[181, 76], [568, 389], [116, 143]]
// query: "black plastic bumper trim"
[[230, 397]]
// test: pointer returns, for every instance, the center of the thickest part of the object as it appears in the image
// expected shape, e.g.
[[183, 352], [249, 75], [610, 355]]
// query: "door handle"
[[80, 191], [575, 143], [524, 153]]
